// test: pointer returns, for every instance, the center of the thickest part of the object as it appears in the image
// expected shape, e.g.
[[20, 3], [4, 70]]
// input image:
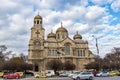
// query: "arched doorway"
[[36, 67]]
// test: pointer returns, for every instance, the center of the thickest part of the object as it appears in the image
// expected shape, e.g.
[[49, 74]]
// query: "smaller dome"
[[51, 35], [38, 17], [77, 36]]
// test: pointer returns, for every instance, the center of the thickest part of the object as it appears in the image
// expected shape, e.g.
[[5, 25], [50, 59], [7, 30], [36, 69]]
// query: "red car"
[[11, 76], [94, 73]]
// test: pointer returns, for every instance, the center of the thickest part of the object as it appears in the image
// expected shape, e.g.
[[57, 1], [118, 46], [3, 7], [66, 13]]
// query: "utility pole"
[[96, 44], [97, 51]]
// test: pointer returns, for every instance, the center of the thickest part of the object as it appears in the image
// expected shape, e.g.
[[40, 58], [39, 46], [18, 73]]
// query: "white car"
[[64, 74], [73, 73], [50, 73], [83, 75], [103, 74]]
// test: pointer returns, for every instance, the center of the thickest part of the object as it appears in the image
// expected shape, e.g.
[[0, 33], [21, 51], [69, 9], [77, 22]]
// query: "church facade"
[[57, 45]]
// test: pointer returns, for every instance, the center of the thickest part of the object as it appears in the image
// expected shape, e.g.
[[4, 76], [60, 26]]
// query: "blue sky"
[[100, 18]]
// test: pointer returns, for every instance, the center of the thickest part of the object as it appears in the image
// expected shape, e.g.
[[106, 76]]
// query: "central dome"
[[61, 29]]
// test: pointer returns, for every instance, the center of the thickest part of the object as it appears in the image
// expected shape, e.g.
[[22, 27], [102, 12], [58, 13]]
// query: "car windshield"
[[104, 72], [76, 72], [85, 73], [66, 72]]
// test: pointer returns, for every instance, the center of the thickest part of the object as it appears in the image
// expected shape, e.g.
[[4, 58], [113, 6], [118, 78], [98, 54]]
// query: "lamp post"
[[97, 50]]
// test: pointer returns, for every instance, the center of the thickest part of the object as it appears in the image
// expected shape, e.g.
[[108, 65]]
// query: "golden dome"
[[51, 35], [38, 17], [61, 29], [77, 36]]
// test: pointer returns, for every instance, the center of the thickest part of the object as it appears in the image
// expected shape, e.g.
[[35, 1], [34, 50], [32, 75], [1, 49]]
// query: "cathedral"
[[56, 45]]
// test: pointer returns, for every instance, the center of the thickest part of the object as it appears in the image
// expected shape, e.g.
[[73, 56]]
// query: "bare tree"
[[113, 59], [3, 54], [24, 57]]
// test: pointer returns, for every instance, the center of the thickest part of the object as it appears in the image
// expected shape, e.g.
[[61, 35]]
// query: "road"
[[66, 78]]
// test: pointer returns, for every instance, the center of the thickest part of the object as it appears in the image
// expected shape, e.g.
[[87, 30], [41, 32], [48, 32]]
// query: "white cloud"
[[101, 2], [94, 14], [5, 4], [116, 5]]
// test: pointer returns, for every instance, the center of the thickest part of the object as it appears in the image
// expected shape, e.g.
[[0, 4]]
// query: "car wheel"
[[17, 77], [78, 78], [90, 78], [5, 78], [37, 77]]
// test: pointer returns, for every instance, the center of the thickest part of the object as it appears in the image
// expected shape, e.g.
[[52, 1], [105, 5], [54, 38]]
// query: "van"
[[50, 73]]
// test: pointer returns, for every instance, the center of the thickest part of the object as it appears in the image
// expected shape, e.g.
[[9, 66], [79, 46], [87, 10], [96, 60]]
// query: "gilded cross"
[[37, 32]]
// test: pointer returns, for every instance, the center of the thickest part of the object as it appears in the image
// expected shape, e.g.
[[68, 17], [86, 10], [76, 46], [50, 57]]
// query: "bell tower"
[[36, 43]]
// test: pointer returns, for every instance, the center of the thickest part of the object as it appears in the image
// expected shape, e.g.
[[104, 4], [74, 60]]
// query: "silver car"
[[64, 74], [83, 75], [102, 74]]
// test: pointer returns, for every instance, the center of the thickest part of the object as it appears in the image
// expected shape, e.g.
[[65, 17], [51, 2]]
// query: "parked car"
[[1, 74], [113, 73], [40, 75], [50, 73], [83, 75], [64, 74], [11, 76], [21, 74], [28, 73], [102, 74], [73, 73], [118, 73], [95, 73]]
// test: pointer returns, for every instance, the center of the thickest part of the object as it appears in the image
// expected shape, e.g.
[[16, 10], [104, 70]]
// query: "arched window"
[[83, 53], [37, 21], [58, 36], [67, 48], [79, 53], [40, 21], [34, 22]]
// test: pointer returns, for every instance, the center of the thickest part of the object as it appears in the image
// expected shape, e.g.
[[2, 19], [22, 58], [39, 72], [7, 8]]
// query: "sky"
[[100, 18]]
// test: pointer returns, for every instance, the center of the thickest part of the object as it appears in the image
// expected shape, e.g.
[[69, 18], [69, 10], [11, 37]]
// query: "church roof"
[[77, 36], [51, 35], [38, 17]]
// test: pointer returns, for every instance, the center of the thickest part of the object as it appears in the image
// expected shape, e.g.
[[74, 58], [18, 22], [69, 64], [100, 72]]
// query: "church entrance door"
[[36, 67]]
